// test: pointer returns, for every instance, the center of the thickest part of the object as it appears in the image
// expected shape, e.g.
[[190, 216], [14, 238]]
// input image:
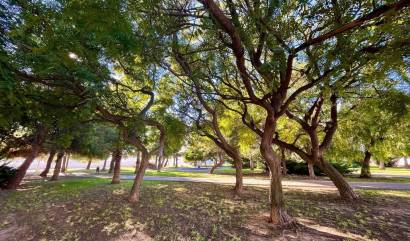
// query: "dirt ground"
[[92, 209]]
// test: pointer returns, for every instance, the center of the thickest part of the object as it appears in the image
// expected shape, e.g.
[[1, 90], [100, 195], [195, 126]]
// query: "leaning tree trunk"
[[57, 167], [35, 149], [365, 171], [111, 164], [311, 171], [381, 165], [345, 190], [64, 163], [48, 165], [136, 187], [89, 164], [105, 164], [216, 165], [117, 155], [238, 175]]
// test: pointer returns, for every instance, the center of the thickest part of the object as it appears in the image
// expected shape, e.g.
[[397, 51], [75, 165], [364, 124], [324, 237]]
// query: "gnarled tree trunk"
[[238, 175], [278, 214], [35, 148], [345, 190], [311, 171], [57, 167], [117, 155], [283, 159], [50, 159], [136, 187], [137, 163], [365, 170]]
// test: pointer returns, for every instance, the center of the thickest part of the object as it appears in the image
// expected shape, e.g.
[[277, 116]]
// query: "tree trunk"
[[381, 165], [216, 165], [105, 164], [346, 192], [176, 162], [137, 164], [278, 214], [64, 163], [136, 187], [67, 160], [311, 171], [238, 176], [89, 164], [35, 148], [111, 164], [48, 165], [57, 167], [365, 171], [117, 155], [406, 162], [166, 162]]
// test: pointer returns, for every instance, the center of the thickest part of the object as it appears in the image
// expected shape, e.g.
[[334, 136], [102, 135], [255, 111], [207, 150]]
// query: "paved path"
[[301, 184]]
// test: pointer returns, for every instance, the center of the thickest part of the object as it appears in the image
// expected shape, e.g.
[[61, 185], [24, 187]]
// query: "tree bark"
[[57, 167], [64, 163], [311, 171], [136, 187], [365, 170], [117, 155], [35, 148], [278, 214], [381, 165], [89, 164], [176, 161], [406, 162], [238, 176], [346, 192], [111, 163], [105, 164], [44, 173]]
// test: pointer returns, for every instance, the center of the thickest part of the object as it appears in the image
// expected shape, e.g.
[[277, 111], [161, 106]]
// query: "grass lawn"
[[387, 171], [92, 209]]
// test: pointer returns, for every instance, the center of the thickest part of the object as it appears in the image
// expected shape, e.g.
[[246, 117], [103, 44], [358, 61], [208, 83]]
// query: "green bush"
[[6, 173], [301, 168]]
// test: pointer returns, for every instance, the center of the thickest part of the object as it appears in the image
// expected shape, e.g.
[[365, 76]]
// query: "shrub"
[[6, 173], [301, 168]]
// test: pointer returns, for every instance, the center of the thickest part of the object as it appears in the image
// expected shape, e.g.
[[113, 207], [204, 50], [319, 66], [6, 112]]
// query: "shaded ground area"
[[92, 209]]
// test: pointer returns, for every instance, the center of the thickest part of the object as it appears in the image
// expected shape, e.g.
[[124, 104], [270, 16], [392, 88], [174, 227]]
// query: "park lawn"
[[92, 209], [387, 171]]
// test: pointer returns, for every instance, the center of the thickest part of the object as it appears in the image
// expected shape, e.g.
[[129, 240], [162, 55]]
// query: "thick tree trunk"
[[365, 171], [251, 164], [63, 165], [136, 187], [346, 192], [137, 163], [111, 164], [311, 171], [238, 176], [406, 162], [117, 155], [35, 148], [105, 164], [57, 167], [381, 165], [89, 164], [278, 214], [48, 165]]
